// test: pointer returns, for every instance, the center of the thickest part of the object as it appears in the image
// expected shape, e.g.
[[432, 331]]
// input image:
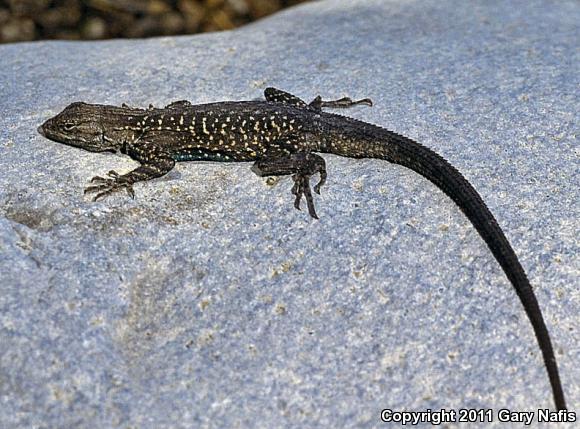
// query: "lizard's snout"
[[44, 129]]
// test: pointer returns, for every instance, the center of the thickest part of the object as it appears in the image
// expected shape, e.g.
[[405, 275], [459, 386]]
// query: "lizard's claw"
[[106, 186], [302, 188], [310, 164], [321, 182]]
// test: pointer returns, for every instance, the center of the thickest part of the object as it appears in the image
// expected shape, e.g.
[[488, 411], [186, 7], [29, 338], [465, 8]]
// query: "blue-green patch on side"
[[201, 155]]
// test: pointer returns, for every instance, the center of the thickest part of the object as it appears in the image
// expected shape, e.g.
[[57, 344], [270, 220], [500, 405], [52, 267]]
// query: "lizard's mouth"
[[52, 132]]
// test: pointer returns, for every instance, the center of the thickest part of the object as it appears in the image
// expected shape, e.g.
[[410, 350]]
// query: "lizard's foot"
[[106, 186], [308, 164], [318, 103], [302, 166], [301, 189]]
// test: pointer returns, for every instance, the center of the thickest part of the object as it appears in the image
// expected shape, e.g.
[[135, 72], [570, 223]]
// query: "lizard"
[[283, 136]]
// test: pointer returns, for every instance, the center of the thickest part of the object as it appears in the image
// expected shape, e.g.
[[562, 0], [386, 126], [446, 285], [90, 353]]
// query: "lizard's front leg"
[[302, 166], [154, 163]]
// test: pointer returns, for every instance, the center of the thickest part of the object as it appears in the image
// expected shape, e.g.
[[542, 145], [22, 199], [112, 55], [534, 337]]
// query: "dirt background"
[[25, 20]]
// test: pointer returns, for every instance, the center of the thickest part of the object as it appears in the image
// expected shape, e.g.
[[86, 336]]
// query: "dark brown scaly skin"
[[281, 136]]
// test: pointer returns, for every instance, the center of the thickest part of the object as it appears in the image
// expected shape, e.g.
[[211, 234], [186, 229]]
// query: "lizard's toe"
[[105, 187], [301, 189], [102, 194], [99, 179], [130, 191], [96, 188], [320, 183]]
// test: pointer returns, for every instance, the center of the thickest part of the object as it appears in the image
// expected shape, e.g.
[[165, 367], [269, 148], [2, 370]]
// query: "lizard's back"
[[230, 131]]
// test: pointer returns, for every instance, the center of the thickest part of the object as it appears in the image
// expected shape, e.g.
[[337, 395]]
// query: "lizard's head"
[[79, 125]]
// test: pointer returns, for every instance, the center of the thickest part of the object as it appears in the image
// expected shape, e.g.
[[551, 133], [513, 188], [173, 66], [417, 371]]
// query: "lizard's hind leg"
[[318, 103], [302, 166], [278, 96]]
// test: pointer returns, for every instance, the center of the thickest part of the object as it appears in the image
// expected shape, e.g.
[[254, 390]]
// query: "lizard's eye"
[[68, 126]]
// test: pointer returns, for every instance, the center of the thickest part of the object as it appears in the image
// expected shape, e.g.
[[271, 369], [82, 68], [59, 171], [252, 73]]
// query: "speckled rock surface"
[[209, 302]]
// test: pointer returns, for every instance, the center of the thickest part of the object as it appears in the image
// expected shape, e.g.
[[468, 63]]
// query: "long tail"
[[378, 142]]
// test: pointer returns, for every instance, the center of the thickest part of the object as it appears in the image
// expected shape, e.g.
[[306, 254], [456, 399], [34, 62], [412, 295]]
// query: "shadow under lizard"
[[282, 136]]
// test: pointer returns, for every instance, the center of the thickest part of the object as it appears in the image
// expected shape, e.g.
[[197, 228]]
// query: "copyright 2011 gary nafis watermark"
[[474, 415]]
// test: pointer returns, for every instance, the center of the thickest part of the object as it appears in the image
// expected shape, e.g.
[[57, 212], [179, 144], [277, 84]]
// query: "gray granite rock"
[[209, 302]]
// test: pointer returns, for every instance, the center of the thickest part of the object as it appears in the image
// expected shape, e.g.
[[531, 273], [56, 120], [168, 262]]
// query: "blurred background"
[[25, 20]]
